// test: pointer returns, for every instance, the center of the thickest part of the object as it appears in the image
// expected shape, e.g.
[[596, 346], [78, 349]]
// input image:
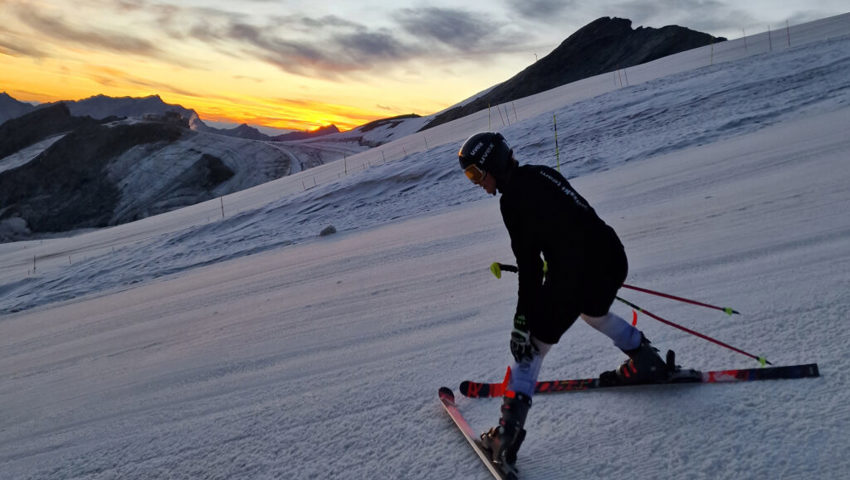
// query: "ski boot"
[[503, 441], [643, 366]]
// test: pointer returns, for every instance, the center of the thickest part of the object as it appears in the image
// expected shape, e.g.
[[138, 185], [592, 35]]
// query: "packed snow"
[[228, 340]]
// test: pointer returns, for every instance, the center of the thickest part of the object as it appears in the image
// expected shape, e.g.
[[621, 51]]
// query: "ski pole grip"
[[496, 269]]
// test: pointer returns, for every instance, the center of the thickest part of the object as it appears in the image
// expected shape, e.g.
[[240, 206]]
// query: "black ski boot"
[[504, 441], [643, 366]]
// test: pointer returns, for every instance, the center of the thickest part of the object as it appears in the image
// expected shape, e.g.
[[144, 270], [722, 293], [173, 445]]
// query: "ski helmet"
[[489, 151]]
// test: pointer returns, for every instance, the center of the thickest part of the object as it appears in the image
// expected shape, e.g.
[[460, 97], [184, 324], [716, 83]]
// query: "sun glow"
[[221, 99], [221, 67]]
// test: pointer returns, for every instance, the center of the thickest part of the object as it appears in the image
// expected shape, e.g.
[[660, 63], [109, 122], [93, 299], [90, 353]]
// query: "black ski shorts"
[[591, 293]]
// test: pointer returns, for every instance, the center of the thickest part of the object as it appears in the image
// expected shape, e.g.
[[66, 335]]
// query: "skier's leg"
[[524, 374], [504, 440], [598, 290], [624, 335], [644, 363], [553, 319]]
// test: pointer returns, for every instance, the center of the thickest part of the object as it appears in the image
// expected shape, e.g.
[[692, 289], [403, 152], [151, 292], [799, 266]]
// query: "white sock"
[[625, 336], [524, 374]]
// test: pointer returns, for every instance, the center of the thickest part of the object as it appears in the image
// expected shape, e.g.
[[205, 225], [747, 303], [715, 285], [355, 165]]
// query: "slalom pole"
[[761, 360], [498, 267], [557, 150], [727, 310]]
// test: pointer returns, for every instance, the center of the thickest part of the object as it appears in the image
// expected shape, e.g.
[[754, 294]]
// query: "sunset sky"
[[301, 65]]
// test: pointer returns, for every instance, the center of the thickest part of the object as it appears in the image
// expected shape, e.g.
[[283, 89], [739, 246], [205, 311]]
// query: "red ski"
[[500, 472], [484, 390]]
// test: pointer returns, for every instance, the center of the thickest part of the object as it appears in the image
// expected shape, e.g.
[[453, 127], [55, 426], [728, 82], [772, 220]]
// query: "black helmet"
[[489, 151]]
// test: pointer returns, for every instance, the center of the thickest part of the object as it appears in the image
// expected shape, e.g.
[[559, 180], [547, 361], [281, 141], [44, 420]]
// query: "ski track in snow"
[[249, 348]]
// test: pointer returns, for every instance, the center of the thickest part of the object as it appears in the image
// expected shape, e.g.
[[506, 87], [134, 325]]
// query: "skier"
[[586, 265]]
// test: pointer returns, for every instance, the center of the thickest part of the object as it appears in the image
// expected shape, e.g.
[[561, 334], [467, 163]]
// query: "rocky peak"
[[604, 45]]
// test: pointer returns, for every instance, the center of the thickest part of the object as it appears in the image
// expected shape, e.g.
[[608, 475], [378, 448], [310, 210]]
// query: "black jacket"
[[545, 215]]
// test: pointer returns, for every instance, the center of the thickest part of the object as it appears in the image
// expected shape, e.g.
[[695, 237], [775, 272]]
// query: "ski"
[[447, 398], [484, 390]]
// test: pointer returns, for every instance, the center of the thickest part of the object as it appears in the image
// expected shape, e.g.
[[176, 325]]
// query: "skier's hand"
[[521, 346]]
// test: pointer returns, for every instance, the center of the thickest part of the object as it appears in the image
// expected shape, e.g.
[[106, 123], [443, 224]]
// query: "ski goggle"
[[474, 174]]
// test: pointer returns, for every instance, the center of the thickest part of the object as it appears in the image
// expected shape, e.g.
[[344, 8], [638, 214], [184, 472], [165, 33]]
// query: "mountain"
[[243, 131], [162, 156], [91, 173], [11, 108], [109, 161], [101, 106], [369, 135], [319, 132], [79, 192], [38, 125], [604, 45]]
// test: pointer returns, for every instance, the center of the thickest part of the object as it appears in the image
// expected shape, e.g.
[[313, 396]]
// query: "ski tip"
[[446, 392]]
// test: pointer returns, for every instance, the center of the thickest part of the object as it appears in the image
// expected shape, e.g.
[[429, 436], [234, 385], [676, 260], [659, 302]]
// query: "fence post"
[[557, 149], [489, 118], [769, 39], [788, 32]]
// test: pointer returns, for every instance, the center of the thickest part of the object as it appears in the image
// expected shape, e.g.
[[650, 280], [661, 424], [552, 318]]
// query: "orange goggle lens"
[[475, 174]]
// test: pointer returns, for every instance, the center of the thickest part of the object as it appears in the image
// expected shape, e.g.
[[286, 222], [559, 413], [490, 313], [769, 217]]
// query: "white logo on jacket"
[[566, 189]]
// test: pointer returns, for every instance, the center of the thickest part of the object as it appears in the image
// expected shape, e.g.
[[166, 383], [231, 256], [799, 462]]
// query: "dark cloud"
[[161, 87], [459, 30], [294, 56], [540, 9], [63, 32], [330, 46], [369, 47], [131, 5], [710, 16], [10, 45], [328, 21], [344, 54], [325, 47]]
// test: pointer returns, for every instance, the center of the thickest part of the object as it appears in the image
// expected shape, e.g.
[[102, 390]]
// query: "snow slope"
[[25, 155], [246, 347], [625, 125]]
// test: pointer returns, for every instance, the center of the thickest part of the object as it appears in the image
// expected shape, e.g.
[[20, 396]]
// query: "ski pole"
[[729, 311], [497, 269], [761, 360]]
